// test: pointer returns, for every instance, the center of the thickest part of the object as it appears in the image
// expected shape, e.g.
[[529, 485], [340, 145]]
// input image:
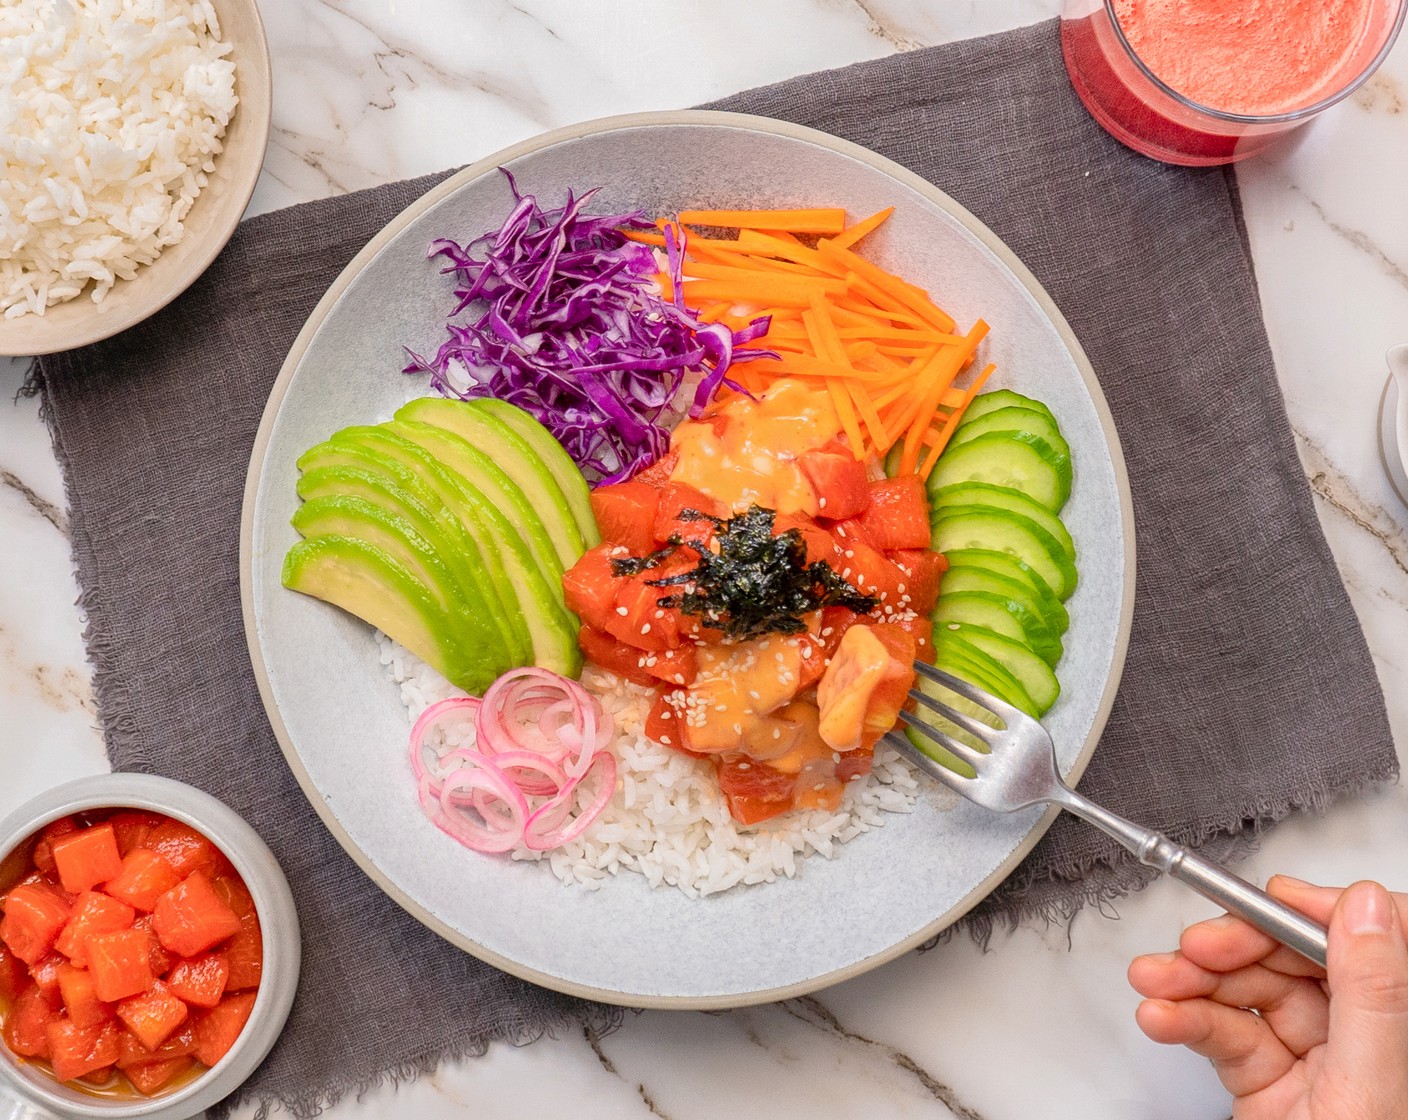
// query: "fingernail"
[[1292, 881], [1221, 922], [1367, 909], [1161, 958]]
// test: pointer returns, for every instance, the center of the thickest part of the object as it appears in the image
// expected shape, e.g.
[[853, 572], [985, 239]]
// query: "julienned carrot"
[[848, 237], [896, 367], [946, 432], [821, 221]]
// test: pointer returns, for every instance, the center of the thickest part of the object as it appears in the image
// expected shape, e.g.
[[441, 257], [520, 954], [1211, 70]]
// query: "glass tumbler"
[[1142, 111]]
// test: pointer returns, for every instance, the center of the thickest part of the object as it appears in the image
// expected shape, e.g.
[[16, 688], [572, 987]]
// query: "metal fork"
[[1019, 770]]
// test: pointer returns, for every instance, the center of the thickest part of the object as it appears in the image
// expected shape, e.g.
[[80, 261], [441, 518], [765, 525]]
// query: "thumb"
[[1368, 978]]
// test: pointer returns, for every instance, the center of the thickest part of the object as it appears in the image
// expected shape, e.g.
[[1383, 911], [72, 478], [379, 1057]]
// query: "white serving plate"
[[338, 716]]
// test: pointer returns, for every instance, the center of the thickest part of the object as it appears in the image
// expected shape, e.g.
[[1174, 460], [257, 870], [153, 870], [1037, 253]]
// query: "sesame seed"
[[777, 733], [745, 766], [900, 588], [821, 503], [738, 729], [850, 554], [665, 739], [806, 651], [753, 692], [645, 629], [621, 610], [819, 786]]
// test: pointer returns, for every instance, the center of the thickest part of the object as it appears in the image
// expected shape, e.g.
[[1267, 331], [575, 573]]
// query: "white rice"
[[111, 116], [668, 821]]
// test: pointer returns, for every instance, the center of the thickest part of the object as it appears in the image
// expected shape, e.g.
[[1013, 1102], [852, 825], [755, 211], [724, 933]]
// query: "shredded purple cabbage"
[[566, 321]]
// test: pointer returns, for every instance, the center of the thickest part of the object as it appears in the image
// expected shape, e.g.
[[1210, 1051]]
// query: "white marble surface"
[[373, 90]]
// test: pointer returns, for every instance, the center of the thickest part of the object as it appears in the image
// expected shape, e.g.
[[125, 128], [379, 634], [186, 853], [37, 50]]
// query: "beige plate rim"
[[37, 335], [577, 131]]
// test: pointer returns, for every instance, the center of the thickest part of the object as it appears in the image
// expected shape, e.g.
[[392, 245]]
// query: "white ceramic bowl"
[[209, 225], [25, 1091]]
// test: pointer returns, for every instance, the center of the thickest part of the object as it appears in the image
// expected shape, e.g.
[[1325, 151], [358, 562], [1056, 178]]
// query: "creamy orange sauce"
[[753, 460]]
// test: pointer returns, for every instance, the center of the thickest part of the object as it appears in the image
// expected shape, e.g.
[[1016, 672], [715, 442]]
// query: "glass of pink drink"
[[1202, 82]]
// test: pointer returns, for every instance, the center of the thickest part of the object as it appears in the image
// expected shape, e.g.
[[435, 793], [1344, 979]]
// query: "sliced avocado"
[[515, 456], [481, 472], [330, 470], [346, 515], [552, 629], [365, 581], [555, 458]]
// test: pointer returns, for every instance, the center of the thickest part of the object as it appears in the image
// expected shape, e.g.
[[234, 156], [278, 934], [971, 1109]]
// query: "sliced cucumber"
[[1009, 617], [967, 577], [1001, 398], [944, 695], [1004, 497], [1034, 674], [978, 668], [1018, 460], [982, 527], [1007, 566], [1013, 420]]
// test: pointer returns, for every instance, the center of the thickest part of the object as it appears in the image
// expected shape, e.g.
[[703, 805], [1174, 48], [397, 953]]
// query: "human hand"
[[1317, 1048]]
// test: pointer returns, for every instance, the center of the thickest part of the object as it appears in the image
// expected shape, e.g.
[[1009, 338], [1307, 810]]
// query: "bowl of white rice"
[[132, 133]]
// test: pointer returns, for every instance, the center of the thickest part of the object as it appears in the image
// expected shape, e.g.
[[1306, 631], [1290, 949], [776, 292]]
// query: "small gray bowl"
[[26, 1093]]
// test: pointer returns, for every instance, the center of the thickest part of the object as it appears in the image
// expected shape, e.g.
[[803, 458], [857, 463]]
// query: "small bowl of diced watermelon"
[[149, 950]]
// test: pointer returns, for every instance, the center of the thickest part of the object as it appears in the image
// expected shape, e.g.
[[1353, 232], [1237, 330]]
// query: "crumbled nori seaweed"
[[755, 584]]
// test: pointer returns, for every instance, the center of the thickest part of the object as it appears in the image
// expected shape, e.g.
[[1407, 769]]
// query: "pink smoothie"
[[1258, 57]]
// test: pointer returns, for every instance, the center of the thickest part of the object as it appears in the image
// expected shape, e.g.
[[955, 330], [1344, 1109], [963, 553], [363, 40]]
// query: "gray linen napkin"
[[1248, 690]]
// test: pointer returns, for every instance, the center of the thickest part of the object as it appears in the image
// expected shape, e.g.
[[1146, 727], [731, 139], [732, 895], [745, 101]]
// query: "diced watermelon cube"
[[87, 857], [150, 1078], [201, 981], [26, 1026], [245, 956], [145, 877], [93, 912], [133, 1053], [191, 917], [43, 857], [34, 917], [80, 996], [218, 1028], [14, 974], [184, 848], [75, 1050], [132, 827], [153, 1016], [120, 963]]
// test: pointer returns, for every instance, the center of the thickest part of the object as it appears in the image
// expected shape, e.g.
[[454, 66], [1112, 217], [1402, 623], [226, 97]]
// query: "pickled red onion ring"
[[538, 736]]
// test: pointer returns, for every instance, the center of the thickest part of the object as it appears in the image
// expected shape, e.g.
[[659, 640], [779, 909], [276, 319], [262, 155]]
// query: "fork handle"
[[1235, 895], [1290, 927]]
